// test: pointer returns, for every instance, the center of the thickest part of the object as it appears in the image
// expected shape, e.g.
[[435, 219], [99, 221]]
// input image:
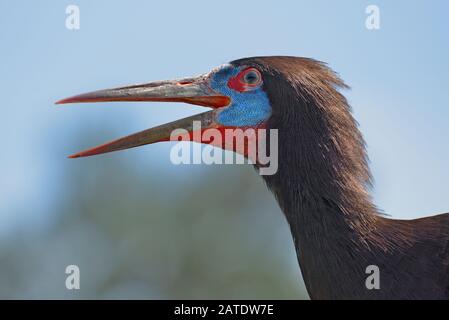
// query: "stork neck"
[[327, 231], [323, 175]]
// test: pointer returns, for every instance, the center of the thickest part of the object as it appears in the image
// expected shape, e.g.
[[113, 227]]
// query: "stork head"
[[234, 91], [318, 138]]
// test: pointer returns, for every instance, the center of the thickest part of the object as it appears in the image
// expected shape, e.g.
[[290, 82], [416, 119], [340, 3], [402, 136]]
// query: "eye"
[[252, 77], [247, 80]]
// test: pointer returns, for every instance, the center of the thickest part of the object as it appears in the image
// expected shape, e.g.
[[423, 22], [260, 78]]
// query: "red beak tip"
[[63, 101]]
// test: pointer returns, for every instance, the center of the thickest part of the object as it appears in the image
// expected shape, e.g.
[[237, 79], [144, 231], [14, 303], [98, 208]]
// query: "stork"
[[323, 179]]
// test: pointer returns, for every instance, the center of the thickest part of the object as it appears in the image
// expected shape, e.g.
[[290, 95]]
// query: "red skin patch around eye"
[[236, 83]]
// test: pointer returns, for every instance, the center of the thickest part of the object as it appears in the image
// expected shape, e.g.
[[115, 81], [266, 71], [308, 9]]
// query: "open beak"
[[190, 90]]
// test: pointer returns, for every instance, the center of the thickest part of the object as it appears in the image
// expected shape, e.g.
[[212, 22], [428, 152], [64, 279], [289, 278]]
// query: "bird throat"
[[331, 226], [322, 186]]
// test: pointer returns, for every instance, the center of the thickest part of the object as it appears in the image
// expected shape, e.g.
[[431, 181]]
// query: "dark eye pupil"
[[251, 77]]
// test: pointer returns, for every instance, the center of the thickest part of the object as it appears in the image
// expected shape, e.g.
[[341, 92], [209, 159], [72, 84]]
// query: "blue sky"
[[399, 77]]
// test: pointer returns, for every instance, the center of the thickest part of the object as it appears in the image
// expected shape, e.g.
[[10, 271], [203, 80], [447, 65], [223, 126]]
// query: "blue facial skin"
[[248, 108]]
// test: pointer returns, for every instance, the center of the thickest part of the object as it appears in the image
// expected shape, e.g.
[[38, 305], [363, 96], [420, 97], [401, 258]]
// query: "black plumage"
[[322, 186]]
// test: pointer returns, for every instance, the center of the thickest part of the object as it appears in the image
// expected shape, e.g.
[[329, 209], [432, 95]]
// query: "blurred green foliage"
[[152, 232]]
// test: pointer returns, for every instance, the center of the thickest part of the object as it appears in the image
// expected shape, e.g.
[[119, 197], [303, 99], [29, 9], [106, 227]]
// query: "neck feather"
[[322, 155], [323, 178]]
